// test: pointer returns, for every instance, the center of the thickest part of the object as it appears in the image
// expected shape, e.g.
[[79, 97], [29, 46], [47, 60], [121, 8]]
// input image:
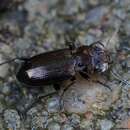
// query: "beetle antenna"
[[13, 60], [115, 33], [117, 28]]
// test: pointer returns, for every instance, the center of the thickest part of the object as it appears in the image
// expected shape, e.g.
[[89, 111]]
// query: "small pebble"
[[89, 115], [120, 13], [6, 90], [12, 119], [38, 117], [95, 15], [53, 126], [67, 127], [106, 124], [74, 120], [53, 104], [86, 125]]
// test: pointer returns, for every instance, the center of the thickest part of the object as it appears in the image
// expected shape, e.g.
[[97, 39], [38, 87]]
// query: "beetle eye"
[[98, 45]]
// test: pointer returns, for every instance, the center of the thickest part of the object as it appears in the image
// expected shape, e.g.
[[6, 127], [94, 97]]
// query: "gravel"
[[31, 27]]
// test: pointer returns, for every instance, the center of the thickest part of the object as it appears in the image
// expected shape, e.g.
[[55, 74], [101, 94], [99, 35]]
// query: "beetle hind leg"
[[66, 88], [23, 114]]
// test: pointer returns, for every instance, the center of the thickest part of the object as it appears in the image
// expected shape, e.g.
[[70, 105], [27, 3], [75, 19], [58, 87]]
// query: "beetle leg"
[[13, 60], [84, 74], [105, 85], [66, 88], [36, 100], [47, 95]]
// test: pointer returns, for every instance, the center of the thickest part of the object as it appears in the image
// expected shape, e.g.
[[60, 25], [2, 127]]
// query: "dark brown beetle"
[[55, 66], [60, 65]]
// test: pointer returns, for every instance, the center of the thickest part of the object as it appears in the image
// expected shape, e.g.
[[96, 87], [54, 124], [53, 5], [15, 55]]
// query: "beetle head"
[[100, 57]]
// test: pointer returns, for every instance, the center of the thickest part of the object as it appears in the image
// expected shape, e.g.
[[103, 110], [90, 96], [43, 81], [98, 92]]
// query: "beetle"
[[63, 64], [60, 65]]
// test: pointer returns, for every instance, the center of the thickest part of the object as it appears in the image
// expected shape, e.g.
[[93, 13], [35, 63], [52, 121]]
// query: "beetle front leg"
[[70, 42], [105, 85]]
